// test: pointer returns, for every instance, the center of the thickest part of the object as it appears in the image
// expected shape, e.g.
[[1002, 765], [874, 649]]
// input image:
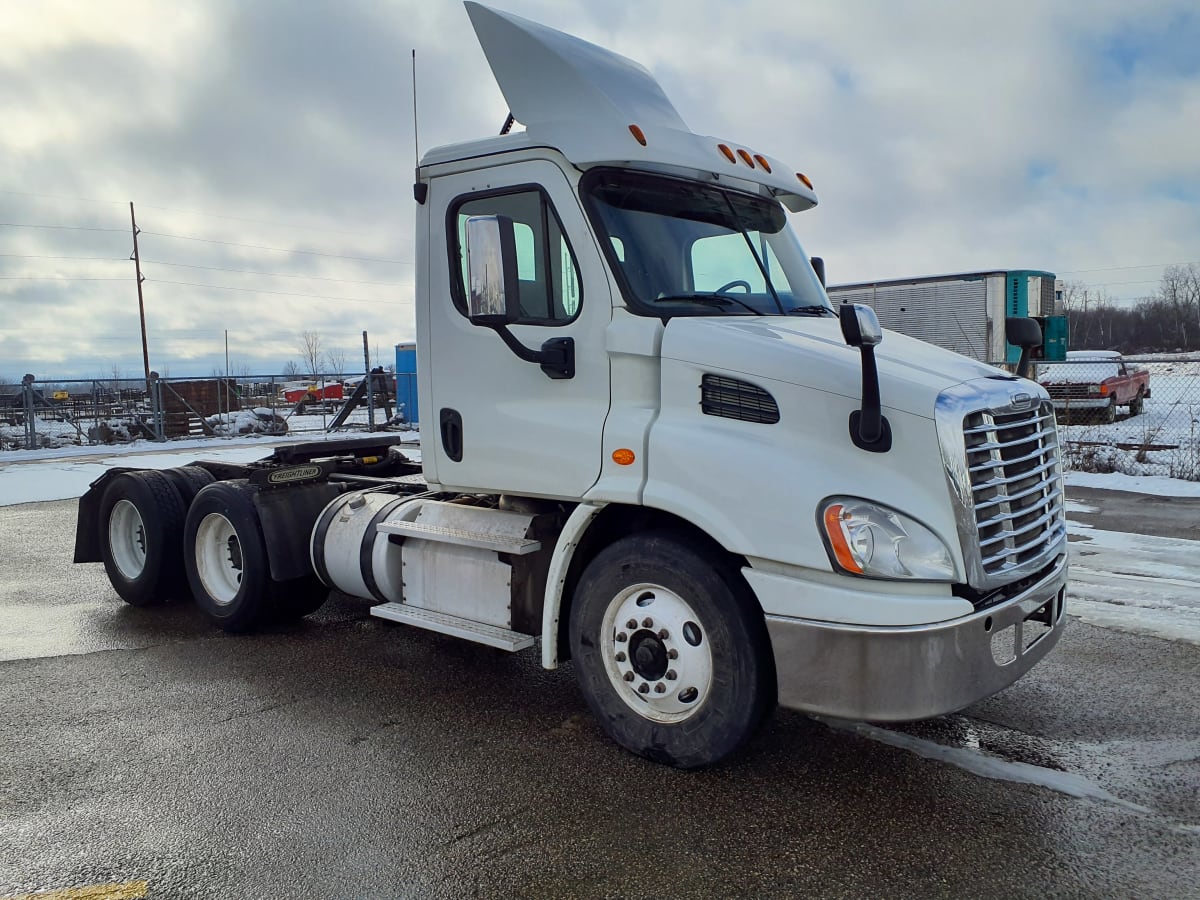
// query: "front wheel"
[[1108, 415], [671, 651]]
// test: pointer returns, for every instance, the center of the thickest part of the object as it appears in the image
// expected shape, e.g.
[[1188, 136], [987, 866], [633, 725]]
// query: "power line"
[[1122, 268], [184, 237], [35, 256], [56, 278], [61, 227], [219, 287], [190, 212], [159, 262]]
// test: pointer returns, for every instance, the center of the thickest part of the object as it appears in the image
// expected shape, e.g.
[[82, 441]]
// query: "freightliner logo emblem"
[[296, 473]]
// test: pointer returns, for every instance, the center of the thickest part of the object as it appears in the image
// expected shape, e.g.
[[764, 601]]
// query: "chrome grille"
[[1012, 464]]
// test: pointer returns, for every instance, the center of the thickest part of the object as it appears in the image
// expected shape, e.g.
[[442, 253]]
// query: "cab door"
[[497, 423]]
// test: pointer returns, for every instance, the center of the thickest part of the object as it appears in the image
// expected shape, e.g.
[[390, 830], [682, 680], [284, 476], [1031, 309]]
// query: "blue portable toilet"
[[406, 381]]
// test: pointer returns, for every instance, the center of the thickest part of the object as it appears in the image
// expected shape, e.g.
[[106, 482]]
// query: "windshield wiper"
[[816, 309], [718, 300]]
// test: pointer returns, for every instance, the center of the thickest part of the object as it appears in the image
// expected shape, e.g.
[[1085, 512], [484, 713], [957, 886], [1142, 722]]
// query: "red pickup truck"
[[1095, 383]]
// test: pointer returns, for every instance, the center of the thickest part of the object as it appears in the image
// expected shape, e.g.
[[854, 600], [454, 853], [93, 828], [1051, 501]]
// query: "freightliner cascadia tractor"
[[651, 446]]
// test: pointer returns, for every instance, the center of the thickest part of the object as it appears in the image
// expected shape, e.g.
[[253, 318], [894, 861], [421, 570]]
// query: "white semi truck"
[[649, 444]]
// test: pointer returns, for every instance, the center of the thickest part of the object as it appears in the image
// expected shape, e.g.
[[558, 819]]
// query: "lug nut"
[[620, 657], [672, 654], [622, 638], [647, 622], [664, 634], [660, 688], [643, 688], [628, 676], [671, 675]]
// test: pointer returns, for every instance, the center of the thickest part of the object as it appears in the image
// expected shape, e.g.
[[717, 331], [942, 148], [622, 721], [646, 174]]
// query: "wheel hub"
[[657, 654], [648, 655]]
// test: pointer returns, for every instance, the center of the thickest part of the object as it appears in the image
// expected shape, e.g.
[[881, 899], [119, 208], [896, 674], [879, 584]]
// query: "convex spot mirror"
[[860, 325], [493, 292]]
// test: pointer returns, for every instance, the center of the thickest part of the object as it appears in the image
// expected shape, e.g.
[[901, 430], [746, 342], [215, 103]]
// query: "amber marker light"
[[762, 161], [727, 153], [638, 134], [804, 180], [623, 457], [746, 158], [837, 539]]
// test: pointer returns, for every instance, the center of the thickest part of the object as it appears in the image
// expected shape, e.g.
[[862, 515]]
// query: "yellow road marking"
[[129, 890]]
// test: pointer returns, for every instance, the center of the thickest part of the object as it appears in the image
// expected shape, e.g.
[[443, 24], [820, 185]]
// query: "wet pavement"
[[351, 757]]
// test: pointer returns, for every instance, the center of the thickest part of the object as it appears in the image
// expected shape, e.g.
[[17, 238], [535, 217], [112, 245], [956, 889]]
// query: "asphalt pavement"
[[347, 756]]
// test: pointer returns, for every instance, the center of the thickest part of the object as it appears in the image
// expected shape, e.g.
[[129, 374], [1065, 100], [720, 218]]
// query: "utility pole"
[[137, 266]]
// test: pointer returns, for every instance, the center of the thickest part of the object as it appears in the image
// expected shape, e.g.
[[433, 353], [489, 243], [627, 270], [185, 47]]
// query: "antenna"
[[420, 190]]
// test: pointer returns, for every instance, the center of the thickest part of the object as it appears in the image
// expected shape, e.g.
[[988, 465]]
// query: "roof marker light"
[[804, 180], [727, 153], [746, 158], [762, 161], [638, 134]]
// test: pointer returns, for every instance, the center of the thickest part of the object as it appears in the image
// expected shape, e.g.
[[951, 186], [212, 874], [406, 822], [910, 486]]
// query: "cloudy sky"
[[268, 148]]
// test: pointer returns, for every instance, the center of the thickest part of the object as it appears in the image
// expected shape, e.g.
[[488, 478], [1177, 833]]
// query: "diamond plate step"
[[454, 626]]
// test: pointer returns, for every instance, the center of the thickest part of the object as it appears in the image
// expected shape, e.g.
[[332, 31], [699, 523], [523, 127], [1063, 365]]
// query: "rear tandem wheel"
[[141, 524], [225, 556]]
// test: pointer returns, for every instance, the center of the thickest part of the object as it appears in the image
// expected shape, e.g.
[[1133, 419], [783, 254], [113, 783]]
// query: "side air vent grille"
[[733, 399]]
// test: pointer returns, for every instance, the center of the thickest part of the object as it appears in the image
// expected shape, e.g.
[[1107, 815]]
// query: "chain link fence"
[[37, 414], [1138, 415]]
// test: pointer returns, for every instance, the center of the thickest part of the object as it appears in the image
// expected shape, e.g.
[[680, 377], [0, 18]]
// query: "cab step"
[[491, 635]]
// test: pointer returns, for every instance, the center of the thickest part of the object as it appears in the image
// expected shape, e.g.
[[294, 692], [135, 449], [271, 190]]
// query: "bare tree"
[[290, 369], [336, 361], [310, 351]]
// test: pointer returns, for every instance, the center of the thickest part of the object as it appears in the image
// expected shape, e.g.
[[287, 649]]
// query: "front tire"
[[141, 519], [671, 651], [1109, 414]]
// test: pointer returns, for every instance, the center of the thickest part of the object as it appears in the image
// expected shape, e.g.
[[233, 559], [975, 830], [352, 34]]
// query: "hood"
[[811, 353]]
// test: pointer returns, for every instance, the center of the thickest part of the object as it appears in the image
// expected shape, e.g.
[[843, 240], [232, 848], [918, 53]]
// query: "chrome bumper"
[[896, 674]]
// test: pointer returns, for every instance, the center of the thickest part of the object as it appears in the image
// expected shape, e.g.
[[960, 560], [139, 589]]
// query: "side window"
[[550, 291]]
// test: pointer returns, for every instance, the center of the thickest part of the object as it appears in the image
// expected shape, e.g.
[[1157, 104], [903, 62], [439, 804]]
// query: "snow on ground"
[[1134, 582], [64, 473], [1130, 582]]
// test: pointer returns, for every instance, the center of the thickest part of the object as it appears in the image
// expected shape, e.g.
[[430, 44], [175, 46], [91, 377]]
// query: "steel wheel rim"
[[218, 558], [127, 539], [661, 670]]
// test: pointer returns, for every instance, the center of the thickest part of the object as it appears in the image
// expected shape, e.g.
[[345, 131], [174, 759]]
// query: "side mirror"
[[860, 325], [818, 265], [493, 292], [869, 430], [1025, 333]]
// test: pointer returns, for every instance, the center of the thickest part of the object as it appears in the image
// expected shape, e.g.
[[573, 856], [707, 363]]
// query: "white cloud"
[[941, 137]]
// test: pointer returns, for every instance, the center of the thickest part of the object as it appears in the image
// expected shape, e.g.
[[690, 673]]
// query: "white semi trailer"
[[965, 312], [649, 443]]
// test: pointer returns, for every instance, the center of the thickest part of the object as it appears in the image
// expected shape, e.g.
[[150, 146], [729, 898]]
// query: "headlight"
[[867, 539]]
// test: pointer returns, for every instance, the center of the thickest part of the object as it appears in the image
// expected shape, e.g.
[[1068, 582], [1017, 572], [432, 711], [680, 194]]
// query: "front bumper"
[[896, 674], [1082, 403]]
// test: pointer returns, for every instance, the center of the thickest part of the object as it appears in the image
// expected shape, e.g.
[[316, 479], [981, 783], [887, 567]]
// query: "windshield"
[[679, 247]]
